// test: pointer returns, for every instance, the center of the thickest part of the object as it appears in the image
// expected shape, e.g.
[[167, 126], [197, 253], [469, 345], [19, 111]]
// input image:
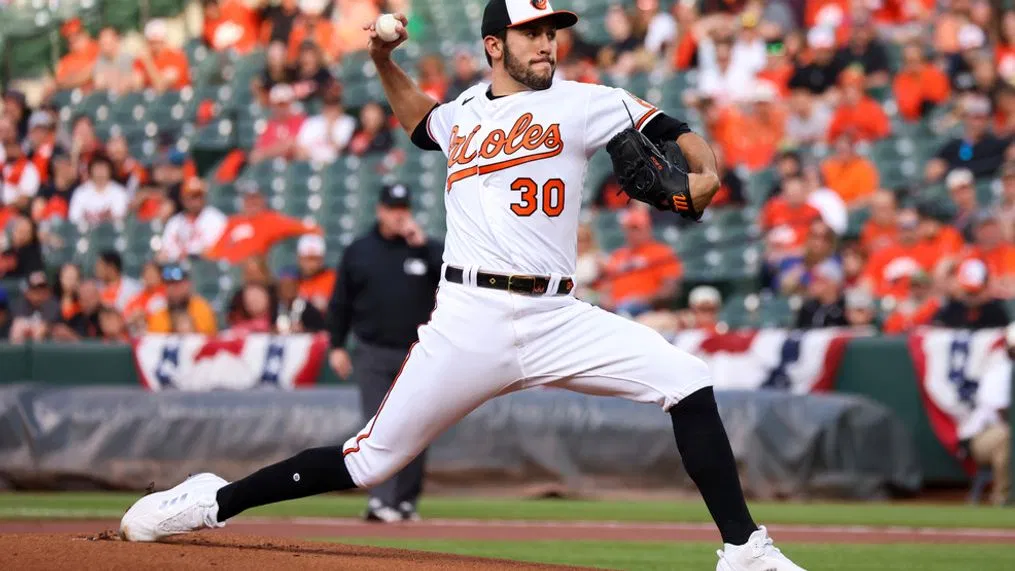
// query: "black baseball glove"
[[652, 176]]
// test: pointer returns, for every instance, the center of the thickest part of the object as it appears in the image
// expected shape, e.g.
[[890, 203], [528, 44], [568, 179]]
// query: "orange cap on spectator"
[[71, 27], [972, 275]]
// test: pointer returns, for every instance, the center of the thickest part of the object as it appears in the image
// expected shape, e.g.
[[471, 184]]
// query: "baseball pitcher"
[[517, 150]]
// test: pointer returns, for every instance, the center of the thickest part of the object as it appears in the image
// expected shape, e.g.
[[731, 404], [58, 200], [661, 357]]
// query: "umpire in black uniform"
[[387, 282]]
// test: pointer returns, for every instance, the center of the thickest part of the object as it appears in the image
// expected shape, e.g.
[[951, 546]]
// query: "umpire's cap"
[[503, 14], [395, 196]]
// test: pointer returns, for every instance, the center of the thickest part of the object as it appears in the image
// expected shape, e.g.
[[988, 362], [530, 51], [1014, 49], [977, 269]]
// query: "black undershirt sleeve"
[[421, 136], [662, 128]]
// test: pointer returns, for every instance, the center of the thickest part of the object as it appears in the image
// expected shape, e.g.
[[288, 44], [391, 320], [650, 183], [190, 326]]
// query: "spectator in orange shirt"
[[751, 137], [312, 26], [75, 68], [996, 254], [858, 112], [149, 301], [642, 273], [918, 308], [316, 281], [881, 229], [230, 24], [255, 230], [939, 241], [778, 68], [180, 299], [158, 65], [919, 86], [786, 218], [852, 176], [890, 269]]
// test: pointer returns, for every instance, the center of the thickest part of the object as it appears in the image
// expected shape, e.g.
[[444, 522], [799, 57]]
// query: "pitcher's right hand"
[[378, 48]]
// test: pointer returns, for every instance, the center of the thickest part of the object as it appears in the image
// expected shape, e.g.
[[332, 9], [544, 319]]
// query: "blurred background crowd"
[[181, 166]]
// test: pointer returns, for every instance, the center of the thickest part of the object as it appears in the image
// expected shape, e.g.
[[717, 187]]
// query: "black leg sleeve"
[[708, 459], [311, 472]]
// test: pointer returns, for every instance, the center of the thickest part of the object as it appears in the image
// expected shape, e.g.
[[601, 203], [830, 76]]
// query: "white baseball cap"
[[959, 177], [971, 37], [703, 295], [313, 7], [972, 275], [310, 245], [281, 93], [156, 30], [821, 37]]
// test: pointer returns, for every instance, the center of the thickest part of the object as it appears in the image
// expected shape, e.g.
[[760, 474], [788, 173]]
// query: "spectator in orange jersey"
[[850, 175], [230, 24], [42, 139], [255, 230], [786, 218], [939, 241], [916, 309], [857, 112], [881, 229], [75, 68], [919, 86], [180, 299], [922, 244], [686, 51], [997, 254], [641, 273], [899, 12], [158, 65], [832, 14], [316, 281], [751, 138], [149, 301], [889, 269], [313, 27]]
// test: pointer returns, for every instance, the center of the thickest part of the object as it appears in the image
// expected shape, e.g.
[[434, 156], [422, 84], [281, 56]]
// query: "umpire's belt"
[[515, 283]]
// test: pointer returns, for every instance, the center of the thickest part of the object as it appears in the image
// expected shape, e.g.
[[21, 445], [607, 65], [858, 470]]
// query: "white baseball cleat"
[[189, 506], [758, 554]]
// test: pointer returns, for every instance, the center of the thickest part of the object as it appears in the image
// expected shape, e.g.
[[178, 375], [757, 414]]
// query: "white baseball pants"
[[481, 343]]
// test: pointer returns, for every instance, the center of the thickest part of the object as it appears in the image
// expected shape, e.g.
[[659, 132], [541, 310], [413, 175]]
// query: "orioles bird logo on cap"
[[539, 4]]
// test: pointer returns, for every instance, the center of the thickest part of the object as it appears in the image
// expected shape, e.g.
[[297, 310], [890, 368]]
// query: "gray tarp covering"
[[826, 445]]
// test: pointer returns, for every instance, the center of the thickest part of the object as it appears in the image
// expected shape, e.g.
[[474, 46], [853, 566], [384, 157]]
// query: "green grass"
[[648, 556], [112, 505]]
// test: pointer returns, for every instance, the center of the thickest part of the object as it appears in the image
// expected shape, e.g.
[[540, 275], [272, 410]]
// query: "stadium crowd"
[[800, 91]]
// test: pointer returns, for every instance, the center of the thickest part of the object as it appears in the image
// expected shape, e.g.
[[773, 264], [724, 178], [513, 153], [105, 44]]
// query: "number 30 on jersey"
[[550, 198]]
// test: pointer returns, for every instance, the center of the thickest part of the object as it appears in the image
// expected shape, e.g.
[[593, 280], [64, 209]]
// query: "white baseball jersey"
[[191, 236], [516, 169]]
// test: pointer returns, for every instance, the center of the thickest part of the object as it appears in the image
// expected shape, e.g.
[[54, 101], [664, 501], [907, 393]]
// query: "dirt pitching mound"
[[58, 552]]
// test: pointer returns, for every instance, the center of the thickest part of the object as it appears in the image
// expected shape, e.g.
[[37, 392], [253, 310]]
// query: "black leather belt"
[[515, 283]]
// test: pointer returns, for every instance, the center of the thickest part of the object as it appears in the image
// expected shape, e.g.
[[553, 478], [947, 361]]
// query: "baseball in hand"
[[387, 27]]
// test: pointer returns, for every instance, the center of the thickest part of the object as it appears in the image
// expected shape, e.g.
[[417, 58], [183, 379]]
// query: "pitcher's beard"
[[525, 75]]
